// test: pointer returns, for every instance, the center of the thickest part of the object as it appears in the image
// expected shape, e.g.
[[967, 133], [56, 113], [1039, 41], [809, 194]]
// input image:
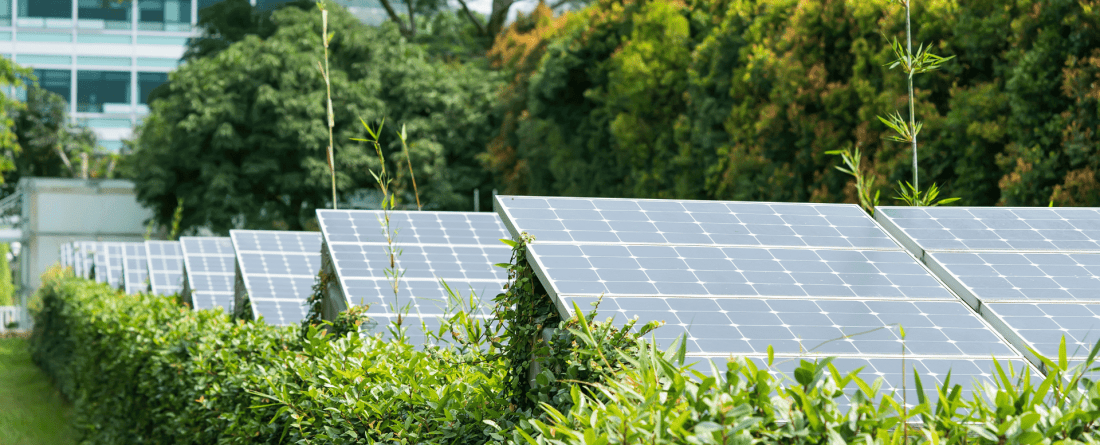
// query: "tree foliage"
[[49, 144], [741, 99], [239, 136]]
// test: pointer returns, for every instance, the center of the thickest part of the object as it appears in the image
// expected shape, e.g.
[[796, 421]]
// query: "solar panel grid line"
[[276, 270], [992, 229], [165, 262], [553, 220]]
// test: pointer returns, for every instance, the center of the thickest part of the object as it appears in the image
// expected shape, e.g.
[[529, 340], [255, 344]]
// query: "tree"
[[741, 99], [50, 144], [239, 136], [7, 287]]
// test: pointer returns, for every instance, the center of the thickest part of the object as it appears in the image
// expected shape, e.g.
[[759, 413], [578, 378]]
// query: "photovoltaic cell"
[[278, 271], [165, 266], [135, 269], [209, 263], [995, 228], [1041, 326], [853, 328], [711, 223], [730, 271], [459, 248], [1021, 277]]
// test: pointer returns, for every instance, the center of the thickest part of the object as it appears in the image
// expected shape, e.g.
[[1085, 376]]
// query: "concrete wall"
[[56, 211]]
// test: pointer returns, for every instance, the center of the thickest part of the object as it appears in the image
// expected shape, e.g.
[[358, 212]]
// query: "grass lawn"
[[31, 410]]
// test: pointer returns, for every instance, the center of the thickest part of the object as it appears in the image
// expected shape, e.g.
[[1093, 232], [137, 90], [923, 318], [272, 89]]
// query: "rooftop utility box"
[[53, 211]]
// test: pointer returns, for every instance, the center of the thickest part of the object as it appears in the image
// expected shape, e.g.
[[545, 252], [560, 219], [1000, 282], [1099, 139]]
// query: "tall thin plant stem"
[[325, 37], [912, 112]]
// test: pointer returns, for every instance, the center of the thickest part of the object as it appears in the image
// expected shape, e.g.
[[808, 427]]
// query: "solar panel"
[[710, 223], [460, 248], [994, 228], [100, 262], [1041, 326], [277, 270], [1011, 276], [113, 273], [85, 254], [586, 269], [65, 256], [135, 269], [811, 280], [165, 267], [851, 328], [209, 264]]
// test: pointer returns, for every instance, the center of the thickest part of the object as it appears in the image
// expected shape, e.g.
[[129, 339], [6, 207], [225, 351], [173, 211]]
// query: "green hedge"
[[143, 369]]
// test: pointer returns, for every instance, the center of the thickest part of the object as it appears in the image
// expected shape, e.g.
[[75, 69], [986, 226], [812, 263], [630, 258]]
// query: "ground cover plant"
[[144, 369]]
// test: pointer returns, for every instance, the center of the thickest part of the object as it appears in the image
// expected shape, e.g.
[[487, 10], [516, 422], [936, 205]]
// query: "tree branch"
[[470, 15], [412, 19], [393, 16]]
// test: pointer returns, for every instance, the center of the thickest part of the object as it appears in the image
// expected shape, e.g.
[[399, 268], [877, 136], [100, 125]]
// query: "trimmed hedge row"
[[143, 369]]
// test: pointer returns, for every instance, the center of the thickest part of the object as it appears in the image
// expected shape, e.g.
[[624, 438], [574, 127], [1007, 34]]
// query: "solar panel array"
[[135, 269], [811, 280], [277, 270], [459, 248], [1034, 273], [165, 267], [209, 263]]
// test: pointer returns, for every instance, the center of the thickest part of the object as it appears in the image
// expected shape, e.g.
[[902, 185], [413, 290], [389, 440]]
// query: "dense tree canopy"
[[239, 136], [740, 99]]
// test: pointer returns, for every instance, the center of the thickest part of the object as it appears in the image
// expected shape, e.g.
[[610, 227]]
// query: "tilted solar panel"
[[209, 263], [165, 266], [810, 280], [710, 223], [135, 269], [275, 273], [460, 248], [1026, 270], [994, 228]]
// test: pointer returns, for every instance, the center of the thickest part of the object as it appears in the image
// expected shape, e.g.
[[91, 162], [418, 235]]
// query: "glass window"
[[54, 9], [97, 91], [164, 15], [205, 3], [147, 82], [5, 12], [57, 81], [103, 14]]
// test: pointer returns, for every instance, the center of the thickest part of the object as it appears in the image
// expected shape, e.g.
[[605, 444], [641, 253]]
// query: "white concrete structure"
[[54, 211]]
